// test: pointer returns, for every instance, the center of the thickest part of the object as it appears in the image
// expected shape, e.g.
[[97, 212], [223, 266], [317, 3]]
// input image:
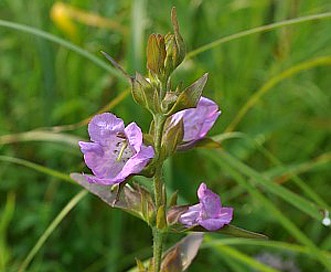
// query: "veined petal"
[[103, 126], [226, 215], [197, 121], [191, 216], [212, 224], [210, 201], [134, 135], [102, 181], [136, 163]]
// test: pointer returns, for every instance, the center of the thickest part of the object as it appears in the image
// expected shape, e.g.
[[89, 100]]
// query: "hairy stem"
[[159, 197]]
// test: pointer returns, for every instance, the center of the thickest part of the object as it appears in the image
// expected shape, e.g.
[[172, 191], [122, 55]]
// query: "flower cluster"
[[116, 152], [182, 117]]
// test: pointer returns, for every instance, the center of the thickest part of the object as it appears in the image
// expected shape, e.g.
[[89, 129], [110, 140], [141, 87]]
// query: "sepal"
[[140, 266], [145, 94], [173, 199], [172, 137], [161, 220]]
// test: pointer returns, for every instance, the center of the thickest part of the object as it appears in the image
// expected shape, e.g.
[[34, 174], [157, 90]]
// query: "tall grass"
[[269, 66]]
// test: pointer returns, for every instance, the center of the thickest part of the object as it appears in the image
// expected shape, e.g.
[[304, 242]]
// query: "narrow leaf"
[[233, 231], [190, 97]]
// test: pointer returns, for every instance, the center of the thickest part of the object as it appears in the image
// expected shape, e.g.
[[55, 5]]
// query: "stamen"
[[123, 147]]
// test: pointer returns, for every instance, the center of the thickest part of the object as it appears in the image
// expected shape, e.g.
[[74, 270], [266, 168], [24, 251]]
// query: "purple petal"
[[191, 216], [212, 224], [136, 163], [215, 223], [210, 201], [209, 212], [226, 215], [90, 147], [101, 181], [134, 135], [197, 121], [115, 151], [104, 125]]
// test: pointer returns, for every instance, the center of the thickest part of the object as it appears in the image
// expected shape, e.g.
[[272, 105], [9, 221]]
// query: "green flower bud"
[[165, 53], [156, 53], [175, 46]]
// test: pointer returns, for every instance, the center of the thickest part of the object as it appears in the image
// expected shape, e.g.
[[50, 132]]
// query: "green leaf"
[[233, 231], [207, 143], [190, 97]]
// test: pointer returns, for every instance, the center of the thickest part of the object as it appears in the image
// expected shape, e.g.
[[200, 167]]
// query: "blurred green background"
[[274, 91]]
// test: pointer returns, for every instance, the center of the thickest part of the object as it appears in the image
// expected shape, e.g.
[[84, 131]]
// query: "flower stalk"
[[159, 196], [181, 119]]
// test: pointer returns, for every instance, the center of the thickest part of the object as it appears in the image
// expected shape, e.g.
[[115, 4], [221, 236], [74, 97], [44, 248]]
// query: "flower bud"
[[165, 53], [175, 46], [156, 53]]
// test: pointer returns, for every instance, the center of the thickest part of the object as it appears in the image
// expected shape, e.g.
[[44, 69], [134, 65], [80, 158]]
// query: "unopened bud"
[[156, 53], [174, 45]]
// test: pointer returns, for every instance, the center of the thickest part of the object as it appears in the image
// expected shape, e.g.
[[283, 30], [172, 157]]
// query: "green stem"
[[159, 196]]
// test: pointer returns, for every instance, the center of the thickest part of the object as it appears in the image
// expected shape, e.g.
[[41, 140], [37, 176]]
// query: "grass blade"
[[64, 43], [71, 204], [265, 28]]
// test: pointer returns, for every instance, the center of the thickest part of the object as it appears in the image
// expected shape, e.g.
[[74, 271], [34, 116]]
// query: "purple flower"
[[209, 213], [115, 151], [197, 121]]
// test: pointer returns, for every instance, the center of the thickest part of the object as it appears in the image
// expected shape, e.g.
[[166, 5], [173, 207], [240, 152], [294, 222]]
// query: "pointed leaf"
[[190, 97], [207, 143], [233, 231]]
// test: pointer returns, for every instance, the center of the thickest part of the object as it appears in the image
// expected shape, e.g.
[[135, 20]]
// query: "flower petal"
[[210, 201], [197, 121], [191, 216], [134, 135], [104, 125], [212, 224], [101, 181], [136, 163]]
